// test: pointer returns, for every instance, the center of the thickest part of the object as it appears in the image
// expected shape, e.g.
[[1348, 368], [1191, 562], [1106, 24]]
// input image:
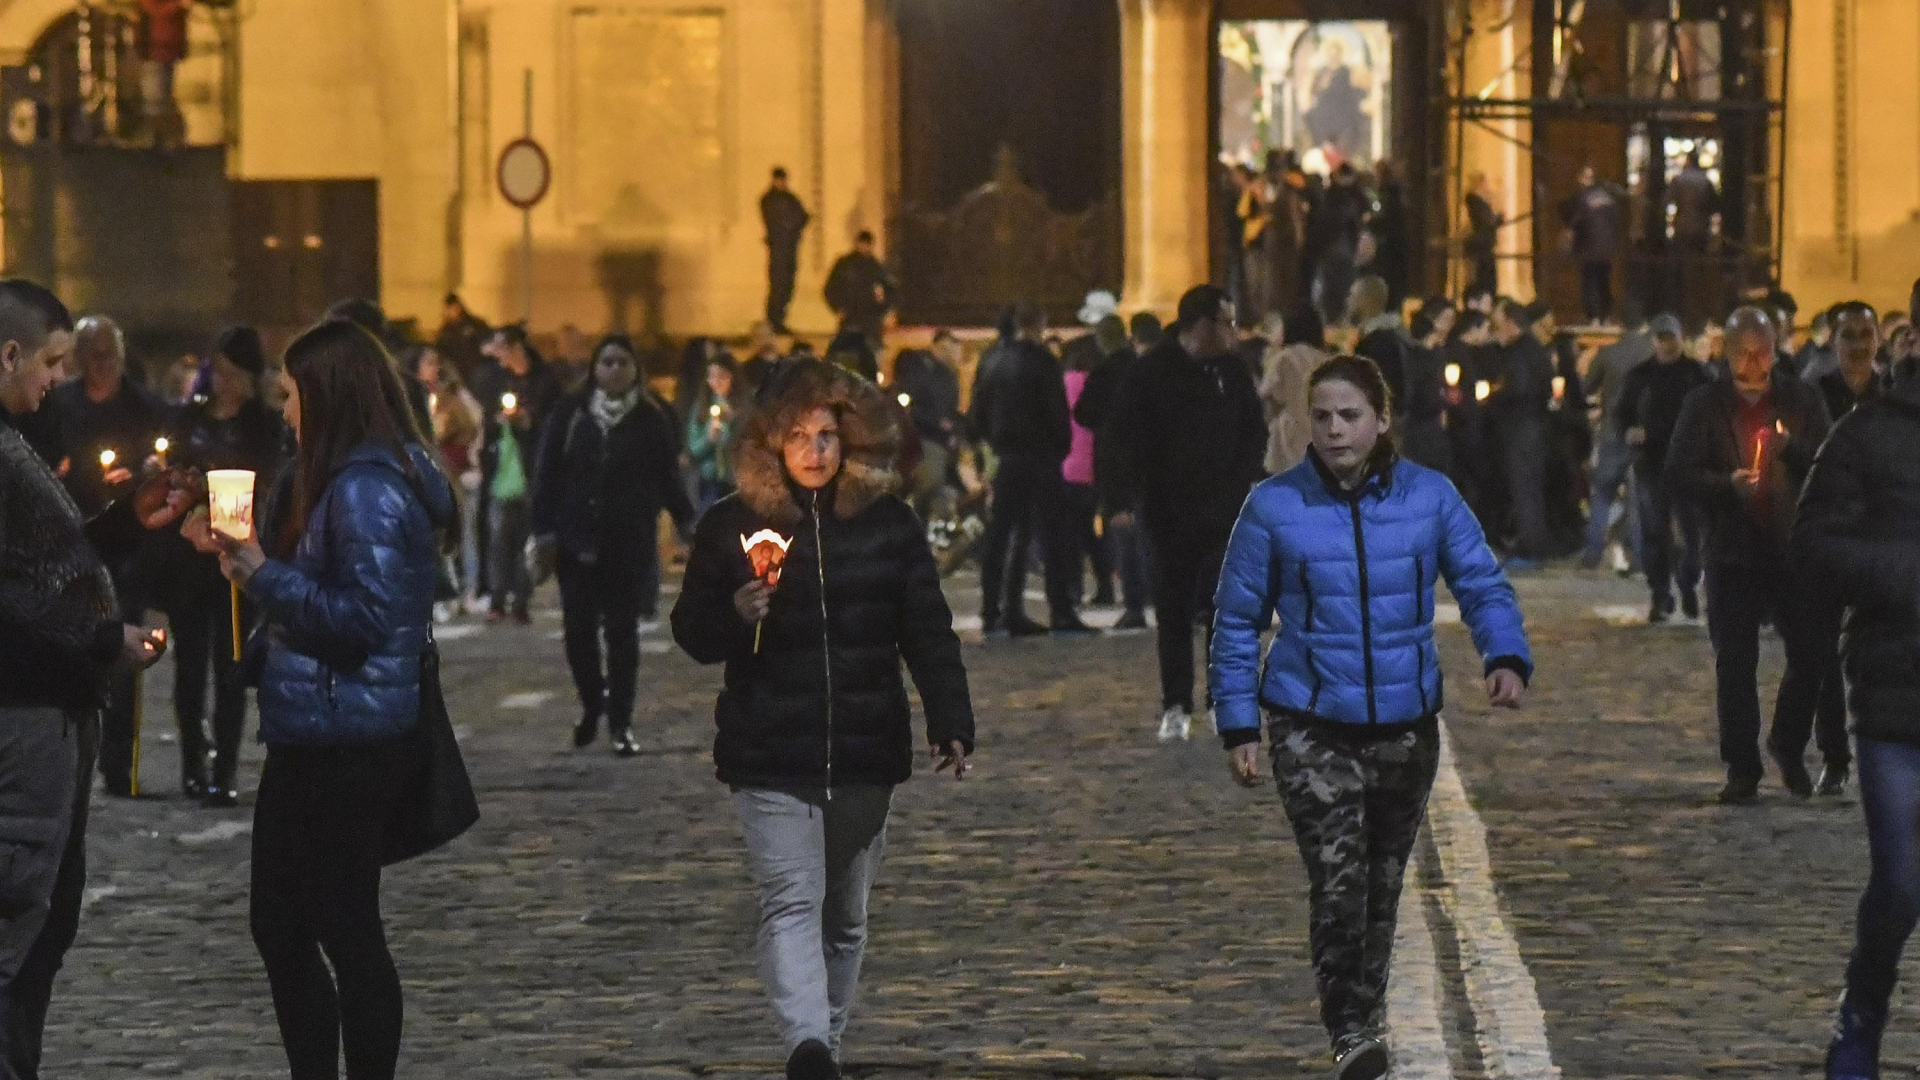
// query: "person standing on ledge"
[[1345, 548], [785, 218]]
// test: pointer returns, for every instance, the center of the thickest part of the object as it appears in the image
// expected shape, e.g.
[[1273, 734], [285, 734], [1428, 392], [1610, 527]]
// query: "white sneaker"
[[1175, 723]]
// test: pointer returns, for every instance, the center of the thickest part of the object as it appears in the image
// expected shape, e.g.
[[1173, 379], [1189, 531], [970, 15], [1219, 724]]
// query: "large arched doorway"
[[1009, 156]]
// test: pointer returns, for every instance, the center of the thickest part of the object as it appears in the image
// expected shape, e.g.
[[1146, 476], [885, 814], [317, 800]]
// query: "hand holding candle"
[[766, 554], [230, 505]]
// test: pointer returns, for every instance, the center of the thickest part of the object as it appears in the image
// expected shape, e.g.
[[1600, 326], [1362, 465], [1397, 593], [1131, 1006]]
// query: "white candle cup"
[[230, 502]]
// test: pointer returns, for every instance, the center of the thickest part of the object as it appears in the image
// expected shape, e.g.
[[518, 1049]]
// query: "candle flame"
[[509, 401], [107, 458], [1453, 374], [161, 444], [1482, 390], [906, 400], [1780, 426], [714, 411], [1559, 386]]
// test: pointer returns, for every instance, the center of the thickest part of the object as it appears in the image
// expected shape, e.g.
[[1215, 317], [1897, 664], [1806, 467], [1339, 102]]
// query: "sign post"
[[524, 174]]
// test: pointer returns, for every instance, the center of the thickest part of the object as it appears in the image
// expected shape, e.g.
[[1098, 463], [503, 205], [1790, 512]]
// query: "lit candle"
[[714, 411], [766, 553], [230, 511], [1482, 390], [1453, 374], [107, 458], [1559, 387], [906, 400], [509, 401], [160, 446]]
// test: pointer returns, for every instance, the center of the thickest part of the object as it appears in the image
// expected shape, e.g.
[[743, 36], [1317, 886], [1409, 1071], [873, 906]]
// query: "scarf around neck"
[[609, 411]]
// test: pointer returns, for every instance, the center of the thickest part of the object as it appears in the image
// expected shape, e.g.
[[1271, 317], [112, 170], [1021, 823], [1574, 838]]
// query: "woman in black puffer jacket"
[[1857, 532], [814, 723]]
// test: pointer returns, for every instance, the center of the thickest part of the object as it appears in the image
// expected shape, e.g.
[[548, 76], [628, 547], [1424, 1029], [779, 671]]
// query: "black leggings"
[[316, 889], [602, 599], [203, 632]]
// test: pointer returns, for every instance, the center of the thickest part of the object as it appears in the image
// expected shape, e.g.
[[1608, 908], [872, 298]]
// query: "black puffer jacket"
[[823, 701], [1858, 530], [1705, 453]]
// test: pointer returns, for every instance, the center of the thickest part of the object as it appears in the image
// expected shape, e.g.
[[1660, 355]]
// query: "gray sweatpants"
[[813, 860]]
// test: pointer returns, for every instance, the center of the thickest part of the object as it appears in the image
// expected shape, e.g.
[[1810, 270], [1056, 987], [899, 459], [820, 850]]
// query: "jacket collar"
[[436, 494], [1379, 480]]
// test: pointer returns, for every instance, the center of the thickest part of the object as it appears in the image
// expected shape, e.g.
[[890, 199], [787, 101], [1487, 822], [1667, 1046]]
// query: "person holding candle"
[[1772, 418], [65, 640], [608, 466], [229, 427], [343, 573], [710, 432], [515, 392], [815, 725], [1345, 549]]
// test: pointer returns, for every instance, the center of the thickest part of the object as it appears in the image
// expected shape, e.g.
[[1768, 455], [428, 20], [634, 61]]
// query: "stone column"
[[1166, 51]]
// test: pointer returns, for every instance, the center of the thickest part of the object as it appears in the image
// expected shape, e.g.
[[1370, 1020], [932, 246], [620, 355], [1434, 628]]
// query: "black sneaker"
[[1740, 791], [220, 798], [1364, 1058], [1794, 776], [587, 730], [1690, 603], [1659, 612], [811, 1060], [1103, 598], [992, 626], [1071, 624], [624, 744], [1132, 620], [1833, 781]]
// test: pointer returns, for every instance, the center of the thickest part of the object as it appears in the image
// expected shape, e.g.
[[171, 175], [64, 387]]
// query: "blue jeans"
[[1890, 795], [1610, 482]]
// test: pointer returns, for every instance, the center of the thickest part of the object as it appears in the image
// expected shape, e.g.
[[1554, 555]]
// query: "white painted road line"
[[527, 699], [1506, 1005], [1419, 1045], [214, 834]]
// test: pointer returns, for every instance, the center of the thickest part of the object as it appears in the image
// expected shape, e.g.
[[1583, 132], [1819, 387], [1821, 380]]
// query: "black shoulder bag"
[[437, 803]]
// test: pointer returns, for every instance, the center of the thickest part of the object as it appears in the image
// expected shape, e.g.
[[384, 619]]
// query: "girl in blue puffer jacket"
[[1345, 548], [346, 586]]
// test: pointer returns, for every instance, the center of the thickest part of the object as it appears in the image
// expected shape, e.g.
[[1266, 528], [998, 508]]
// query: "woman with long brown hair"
[[344, 577]]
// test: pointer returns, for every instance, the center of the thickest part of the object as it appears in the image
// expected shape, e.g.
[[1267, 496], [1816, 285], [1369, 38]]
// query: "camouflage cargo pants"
[[1356, 801]]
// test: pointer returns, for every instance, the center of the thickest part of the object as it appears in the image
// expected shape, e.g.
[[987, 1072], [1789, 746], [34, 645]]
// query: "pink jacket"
[[1078, 468]]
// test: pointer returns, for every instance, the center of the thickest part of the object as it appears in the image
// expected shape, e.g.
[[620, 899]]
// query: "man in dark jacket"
[[1856, 532], [608, 465], [1123, 534], [860, 290], [1520, 409], [59, 617], [1741, 450], [785, 218], [1188, 441], [1022, 404], [461, 335], [1812, 701], [1595, 217], [1646, 409], [105, 410]]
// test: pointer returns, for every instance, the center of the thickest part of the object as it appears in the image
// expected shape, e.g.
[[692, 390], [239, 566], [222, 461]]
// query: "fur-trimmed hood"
[[869, 440]]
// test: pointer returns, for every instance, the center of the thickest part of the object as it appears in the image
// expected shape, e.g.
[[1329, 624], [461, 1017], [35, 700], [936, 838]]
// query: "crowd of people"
[[1324, 466]]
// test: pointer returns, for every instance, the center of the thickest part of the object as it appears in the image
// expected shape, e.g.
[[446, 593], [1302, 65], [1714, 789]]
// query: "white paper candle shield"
[[230, 502]]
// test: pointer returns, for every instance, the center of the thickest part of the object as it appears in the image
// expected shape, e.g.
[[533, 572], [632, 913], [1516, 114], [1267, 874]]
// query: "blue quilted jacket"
[[347, 618], [1351, 577]]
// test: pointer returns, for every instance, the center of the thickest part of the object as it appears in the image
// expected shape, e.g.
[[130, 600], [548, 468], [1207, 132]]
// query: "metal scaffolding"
[[1645, 73]]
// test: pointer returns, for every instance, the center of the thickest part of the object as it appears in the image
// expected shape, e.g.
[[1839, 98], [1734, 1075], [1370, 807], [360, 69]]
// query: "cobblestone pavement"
[[1088, 904]]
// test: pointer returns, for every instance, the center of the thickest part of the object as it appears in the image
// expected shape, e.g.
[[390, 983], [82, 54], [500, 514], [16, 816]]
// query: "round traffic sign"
[[524, 173]]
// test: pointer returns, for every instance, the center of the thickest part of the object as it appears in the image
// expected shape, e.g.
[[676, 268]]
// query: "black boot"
[[587, 730], [223, 793], [811, 1060], [1793, 774], [1833, 780], [193, 772]]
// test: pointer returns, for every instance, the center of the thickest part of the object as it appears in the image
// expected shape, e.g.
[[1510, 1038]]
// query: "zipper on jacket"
[[1366, 606], [1306, 590], [1420, 619], [826, 647]]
